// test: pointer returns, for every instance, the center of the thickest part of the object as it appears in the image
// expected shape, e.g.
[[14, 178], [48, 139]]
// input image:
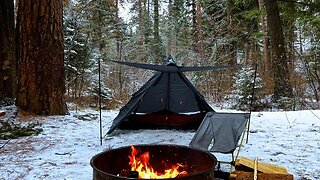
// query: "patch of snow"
[[65, 147]]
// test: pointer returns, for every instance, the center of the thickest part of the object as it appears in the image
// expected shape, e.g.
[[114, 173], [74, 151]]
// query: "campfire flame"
[[142, 166]]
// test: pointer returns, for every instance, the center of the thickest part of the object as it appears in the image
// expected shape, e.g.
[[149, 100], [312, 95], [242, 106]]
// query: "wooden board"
[[241, 175], [245, 170], [261, 167]]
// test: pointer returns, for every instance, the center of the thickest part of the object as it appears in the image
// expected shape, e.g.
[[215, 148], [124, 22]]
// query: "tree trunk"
[[194, 25], [291, 40], [119, 48], [231, 47], [41, 81], [282, 86], [156, 35], [264, 37], [194, 19], [147, 28], [141, 31], [118, 32], [141, 28], [199, 39], [7, 50], [170, 29]]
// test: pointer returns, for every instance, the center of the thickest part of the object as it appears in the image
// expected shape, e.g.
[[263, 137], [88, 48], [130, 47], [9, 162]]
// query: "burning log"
[[154, 162], [145, 170]]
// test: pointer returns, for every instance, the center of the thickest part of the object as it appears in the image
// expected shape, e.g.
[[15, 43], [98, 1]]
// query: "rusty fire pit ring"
[[107, 165]]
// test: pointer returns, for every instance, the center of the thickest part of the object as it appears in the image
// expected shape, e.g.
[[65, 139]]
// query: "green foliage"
[[251, 14], [230, 26], [285, 103], [232, 34], [91, 30], [77, 50], [6, 102], [10, 130], [242, 94], [309, 29]]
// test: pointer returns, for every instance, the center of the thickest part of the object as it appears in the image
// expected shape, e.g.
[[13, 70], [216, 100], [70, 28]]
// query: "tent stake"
[[251, 101]]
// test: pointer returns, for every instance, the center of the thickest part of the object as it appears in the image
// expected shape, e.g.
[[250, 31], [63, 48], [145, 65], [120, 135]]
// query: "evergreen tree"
[[77, 54], [229, 34], [243, 90], [309, 49]]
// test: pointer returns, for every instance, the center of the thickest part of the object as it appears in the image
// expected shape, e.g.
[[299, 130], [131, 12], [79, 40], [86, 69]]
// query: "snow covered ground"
[[65, 147]]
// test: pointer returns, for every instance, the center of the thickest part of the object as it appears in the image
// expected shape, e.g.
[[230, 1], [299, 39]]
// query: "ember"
[[113, 164], [142, 166]]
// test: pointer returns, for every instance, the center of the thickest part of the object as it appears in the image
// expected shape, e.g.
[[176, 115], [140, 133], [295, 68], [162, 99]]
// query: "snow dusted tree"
[[93, 33], [308, 44], [41, 78], [77, 53], [242, 93]]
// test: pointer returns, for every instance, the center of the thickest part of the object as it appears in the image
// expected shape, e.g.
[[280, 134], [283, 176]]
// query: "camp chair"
[[222, 131]]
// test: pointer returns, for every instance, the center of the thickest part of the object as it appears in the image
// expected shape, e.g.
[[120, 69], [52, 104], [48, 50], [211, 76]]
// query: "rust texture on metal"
[[110, 164]]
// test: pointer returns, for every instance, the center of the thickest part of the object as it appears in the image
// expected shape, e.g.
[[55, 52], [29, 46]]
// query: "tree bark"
[[194, 19], [264, 38], [193, 4], [169, 35], [7, 50], [140, 24], [156, 35], [118, 32], [199, 39], [231, 47], [291, 27], [147, 28], [282, 86], [41, 81]]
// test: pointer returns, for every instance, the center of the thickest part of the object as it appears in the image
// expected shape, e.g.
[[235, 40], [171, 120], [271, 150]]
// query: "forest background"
[[280, 39]]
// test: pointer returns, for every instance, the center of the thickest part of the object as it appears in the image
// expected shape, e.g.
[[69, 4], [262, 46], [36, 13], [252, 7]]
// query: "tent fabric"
[[206, 68], [132, 104], [171, 67], [166, 91], [171, 93], [223, 130]]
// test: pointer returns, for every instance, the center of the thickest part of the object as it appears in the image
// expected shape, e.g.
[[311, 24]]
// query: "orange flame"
[[142, 166]]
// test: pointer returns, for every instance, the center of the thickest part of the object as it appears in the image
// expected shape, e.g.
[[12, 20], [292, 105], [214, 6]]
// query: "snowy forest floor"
[[67, 143]]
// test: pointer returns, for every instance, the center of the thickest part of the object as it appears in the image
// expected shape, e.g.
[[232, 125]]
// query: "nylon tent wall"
[[168, 100]]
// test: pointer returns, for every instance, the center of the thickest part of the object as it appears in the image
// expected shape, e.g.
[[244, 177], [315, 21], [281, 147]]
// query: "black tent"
[[166, 100]]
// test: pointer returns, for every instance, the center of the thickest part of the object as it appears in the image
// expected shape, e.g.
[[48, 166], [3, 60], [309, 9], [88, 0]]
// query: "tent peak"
[[170, 61]]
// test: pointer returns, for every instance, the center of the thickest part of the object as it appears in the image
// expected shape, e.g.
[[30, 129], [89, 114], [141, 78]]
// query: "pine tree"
[[77, 54], [243, 89]]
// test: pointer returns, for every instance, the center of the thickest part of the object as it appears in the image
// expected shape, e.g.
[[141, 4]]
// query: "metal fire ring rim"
[[174, 145]]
